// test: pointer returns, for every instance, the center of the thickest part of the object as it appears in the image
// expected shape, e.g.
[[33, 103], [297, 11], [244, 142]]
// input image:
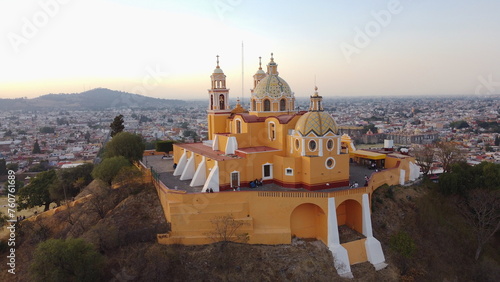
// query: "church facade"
[[271, 142]]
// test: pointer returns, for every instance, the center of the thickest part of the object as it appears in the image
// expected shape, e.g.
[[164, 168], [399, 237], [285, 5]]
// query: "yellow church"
[[274, 143], [271, 142]]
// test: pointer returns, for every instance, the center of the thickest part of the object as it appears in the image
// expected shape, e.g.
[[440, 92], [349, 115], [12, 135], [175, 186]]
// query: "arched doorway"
[[309, 221], [349, 213]]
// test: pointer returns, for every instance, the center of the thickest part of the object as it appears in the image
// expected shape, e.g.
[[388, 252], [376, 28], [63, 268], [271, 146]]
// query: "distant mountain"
[[98, 98]]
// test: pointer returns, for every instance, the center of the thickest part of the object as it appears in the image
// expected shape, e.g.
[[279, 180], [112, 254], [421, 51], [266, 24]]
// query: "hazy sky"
[[167, 49]]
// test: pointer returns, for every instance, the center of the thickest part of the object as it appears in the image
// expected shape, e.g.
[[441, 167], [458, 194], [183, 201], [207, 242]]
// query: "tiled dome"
[[318, 122], [272, 86]]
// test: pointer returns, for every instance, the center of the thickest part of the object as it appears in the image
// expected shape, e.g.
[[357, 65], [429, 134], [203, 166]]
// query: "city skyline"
[[168, 49]]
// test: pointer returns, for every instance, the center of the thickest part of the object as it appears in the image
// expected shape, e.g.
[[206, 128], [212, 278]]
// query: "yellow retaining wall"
[[269, 217]]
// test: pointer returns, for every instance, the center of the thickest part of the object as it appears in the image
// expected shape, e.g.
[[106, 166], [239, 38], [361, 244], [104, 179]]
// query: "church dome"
[[218, 70], [272, 86], [260, 71], [318, 122]]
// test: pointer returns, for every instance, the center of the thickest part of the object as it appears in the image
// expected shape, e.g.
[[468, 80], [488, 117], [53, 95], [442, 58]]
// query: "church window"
[[254, 105], [222, 104], [267, 105], [289, 171], [282, 105], [238, 126], [330, 163], [267, 171], [312, 145], [272, 131], [329, 144], [297, 144]]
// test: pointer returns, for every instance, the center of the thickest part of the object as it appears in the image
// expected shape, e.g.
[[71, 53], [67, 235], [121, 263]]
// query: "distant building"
[[403, 138]]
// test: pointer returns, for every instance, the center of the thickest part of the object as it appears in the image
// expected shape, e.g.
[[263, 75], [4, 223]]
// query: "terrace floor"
[[165, 169]]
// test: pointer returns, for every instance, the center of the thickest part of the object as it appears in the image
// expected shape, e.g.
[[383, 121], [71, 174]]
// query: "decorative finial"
[[272, 59], [316, 88], [260, 63], [217, 61]]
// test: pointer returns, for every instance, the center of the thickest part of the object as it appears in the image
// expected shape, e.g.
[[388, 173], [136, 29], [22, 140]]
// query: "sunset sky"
[[167, 49]]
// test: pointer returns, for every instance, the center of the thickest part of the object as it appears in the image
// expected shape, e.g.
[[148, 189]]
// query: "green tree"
[[459, 124], [458, 180], [36, 148], [126, 144], [109, 168], [370, 127], [117, 125], [36, 193], [190, 133], [47, 129], [66, 260], [13, 166], [165, 146], [70, 181]]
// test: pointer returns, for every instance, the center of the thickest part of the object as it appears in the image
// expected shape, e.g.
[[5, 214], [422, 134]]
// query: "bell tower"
[[218, 105], [315, 105]]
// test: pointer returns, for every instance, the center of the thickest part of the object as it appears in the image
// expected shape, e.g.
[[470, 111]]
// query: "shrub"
[[403, 244], [66, 260]]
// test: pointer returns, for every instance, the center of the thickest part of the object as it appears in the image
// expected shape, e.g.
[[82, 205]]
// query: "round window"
[[312, 145], [330, 163], [329, 144]]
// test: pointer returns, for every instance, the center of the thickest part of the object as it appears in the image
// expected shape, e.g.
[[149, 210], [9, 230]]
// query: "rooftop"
[[165, 169]]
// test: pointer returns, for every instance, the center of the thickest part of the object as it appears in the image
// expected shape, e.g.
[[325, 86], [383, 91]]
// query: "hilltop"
[[126, 236], [95, 99]]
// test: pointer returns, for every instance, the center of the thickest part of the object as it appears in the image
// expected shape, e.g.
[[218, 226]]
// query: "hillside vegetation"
[[422, 234]]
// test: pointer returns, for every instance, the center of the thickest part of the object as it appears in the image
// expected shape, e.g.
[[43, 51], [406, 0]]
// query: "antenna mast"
[[242, 76]]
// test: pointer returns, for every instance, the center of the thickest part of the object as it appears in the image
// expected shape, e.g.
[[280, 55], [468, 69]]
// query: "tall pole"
[[242, 76]]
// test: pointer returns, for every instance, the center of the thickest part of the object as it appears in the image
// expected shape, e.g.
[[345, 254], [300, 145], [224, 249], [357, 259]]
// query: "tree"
[[459, 124], [165, 146], [36, 148], [226, 228], [70, 181], [87, 136], [12, 166], [370, 127], [47, 129], [66, 260], [448, 153], [99, 202], [36, 193], [109, 168], [190, 133], [424, 156], [128, 145], [481, 208], [117, 125]]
